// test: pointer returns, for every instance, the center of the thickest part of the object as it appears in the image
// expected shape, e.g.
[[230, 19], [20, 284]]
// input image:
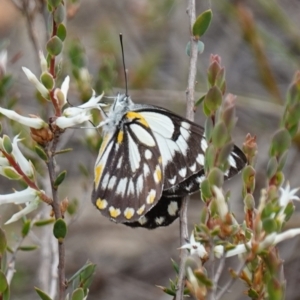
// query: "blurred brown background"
[[259, 42]]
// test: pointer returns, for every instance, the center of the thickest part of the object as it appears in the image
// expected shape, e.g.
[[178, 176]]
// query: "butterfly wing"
[[164, 213], [182, 145], [128, 171]]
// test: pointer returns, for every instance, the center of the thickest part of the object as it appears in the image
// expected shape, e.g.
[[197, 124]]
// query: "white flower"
[[239, 249], [43, 62], [221, 203], [276, 238], [24, 164], [36, 123], [64, 122], [195, 247], [61, 95], [39, 86], [87, 106], [29, 196], [287, 195], [79, 114]]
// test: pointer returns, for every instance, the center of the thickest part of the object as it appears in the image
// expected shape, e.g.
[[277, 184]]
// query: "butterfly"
[[150, 158]]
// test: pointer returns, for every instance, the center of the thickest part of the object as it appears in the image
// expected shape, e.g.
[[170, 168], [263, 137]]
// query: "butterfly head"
[[122, 104]]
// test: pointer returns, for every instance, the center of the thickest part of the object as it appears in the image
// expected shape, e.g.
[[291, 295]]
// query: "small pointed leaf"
[[60, 229], [42, 294], [202, 23], [60, 178]]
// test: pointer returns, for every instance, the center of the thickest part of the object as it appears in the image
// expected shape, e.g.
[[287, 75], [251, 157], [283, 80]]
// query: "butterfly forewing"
[[128, 172]]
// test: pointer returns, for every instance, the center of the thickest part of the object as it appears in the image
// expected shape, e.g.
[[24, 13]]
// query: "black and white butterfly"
[[150, 158]]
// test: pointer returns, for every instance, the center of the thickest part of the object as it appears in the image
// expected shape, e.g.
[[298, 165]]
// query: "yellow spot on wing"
[[101, 204], [141, 210], [104, 144], [160, 160], [120, 137], [114, 212], [134, 115], [98, 172], [151, 197], [128, 213], [157, 174]]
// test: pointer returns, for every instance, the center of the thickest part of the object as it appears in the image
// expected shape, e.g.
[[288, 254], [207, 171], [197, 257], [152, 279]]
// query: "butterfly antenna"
[[125, 72]]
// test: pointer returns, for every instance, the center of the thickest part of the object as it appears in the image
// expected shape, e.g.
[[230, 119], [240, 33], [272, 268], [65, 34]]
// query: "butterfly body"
[[149, 159]]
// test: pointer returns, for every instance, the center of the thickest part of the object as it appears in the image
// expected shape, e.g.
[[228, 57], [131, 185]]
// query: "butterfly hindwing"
[[128, 171], [181, 144]]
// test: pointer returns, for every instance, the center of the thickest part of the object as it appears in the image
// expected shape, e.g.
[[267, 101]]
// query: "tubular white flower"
[[221, 203], [61, 94], [24, 196], [24, 164], [29, 196], [64, 122], [219, 250], [195, 247], [36, 123], [43, 61], [30, 206], [291, 233], [39, 86], [87, 106], [65, 87]]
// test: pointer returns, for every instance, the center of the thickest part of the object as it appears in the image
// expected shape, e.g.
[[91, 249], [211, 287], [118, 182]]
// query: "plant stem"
[[57, 213], [190, 91]]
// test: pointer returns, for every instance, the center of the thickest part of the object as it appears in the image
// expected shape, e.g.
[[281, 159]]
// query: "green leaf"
[[44, 222], [220, 135], [80, 271], [10, 173], [26, 228], [78, 294], [59, 14], [60, 229], [199, 101], [205, 189], [47, 80], [216, 177], [54, 3], [3, 283], [175, 266], [213, 98], [60, 178], [3, 241], [272, 167], [6, 294], [41, 153], [62, 32], [209, 127], [7, 144], [54, 46], [86, 276], [269, 225], [28, 248], [42, 294], [202, 23], [281, 141]]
